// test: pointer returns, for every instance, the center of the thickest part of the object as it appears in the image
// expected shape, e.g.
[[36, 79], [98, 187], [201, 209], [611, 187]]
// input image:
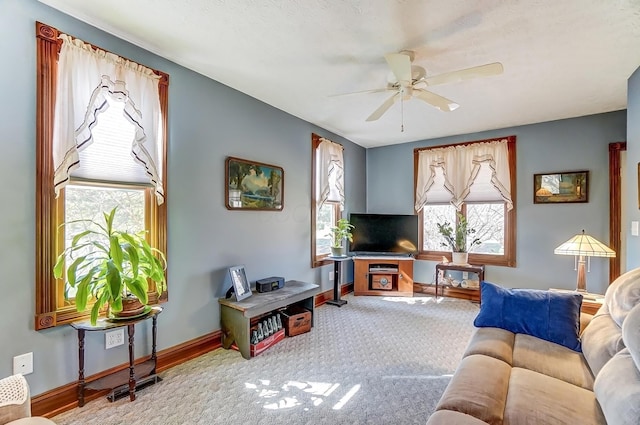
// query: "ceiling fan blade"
[[465, 74], [384, 107], [359, 92], [436, 100], [400, 65]]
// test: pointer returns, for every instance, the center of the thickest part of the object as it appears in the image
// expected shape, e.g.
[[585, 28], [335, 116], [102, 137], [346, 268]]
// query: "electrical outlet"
[[23, 364], [465, 275], [114, 338], [330, 276]]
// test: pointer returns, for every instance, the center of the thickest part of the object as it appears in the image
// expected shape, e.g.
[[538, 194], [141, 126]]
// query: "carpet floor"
[[376, 360]]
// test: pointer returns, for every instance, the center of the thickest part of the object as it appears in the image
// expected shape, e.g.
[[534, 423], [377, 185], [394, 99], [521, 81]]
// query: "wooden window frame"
[[508, 259], [322, 259], [48, 212]]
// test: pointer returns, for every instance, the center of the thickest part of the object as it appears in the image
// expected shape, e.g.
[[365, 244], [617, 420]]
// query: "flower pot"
[[337, 251], [131, 306], [460, 258]]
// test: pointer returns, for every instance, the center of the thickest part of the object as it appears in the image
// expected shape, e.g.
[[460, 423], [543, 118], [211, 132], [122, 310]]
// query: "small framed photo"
[[561, 187], [240, 283]]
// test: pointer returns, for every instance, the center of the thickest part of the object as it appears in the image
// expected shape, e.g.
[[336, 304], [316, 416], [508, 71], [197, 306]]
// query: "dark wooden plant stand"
[[125, 381]]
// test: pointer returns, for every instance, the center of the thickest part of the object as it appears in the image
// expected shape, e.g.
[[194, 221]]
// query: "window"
[[117, 125], [483, 191], [327, 195]]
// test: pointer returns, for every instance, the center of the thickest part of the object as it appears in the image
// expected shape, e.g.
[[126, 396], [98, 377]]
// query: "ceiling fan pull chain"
[[402, 114]]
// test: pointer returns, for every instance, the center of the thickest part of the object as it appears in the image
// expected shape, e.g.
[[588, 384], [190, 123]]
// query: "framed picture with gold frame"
[[252, 185], [561, 187]]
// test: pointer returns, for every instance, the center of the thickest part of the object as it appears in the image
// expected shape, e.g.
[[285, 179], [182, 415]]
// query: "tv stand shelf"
[[383, 275]]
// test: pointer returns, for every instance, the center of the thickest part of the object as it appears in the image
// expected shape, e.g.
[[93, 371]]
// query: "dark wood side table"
[[337, 261], [125, 381], [591, 302]]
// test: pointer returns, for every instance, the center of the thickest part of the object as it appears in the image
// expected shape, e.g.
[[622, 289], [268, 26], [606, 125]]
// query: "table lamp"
[[581, 246]]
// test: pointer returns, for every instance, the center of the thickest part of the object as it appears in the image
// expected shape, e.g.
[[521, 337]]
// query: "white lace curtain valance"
[[330, 173], [86, 78], [455, 174]]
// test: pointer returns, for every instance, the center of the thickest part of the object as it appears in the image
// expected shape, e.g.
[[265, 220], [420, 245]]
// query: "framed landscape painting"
[[252, 185], [561, 187]]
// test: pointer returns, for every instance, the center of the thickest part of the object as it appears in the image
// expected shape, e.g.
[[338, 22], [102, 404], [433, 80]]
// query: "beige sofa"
[[517, 379], [15, 403]]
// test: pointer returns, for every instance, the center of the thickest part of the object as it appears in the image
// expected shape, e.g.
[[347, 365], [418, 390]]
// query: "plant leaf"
[[108, 218], [71, 271], [133, 258], [116, 251], [57, 269], [114, 280], [138, 287]]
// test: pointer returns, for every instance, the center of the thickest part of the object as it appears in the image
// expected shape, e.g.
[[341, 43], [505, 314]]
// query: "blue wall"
[[208, 122], [630, 201], [572, 144]]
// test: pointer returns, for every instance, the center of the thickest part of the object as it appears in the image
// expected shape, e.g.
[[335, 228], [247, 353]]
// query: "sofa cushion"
[[617, 388], [492, 342], [552, 360], [552, 316], [478, 388], [622, 295], [535, 398], [449, 417], [631, 334], [601, 340]]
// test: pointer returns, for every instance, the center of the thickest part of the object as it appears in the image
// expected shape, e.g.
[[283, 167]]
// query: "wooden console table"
[[383, 275], [235, 316], [125, 381]]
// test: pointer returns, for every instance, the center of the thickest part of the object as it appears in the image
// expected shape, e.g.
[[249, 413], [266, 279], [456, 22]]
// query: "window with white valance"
[[100, 143], [475, 180], [471, 173], [329, 176], [89, 82], [327, 194]]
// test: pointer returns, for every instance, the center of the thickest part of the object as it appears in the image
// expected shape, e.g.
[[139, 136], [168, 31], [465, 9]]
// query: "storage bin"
[[296, 320]]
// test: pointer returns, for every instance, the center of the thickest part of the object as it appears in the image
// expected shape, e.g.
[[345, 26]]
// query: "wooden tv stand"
[[383, 275]]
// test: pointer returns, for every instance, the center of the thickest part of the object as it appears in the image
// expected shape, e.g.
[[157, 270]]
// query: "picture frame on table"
[[239, 282], [561, 187]]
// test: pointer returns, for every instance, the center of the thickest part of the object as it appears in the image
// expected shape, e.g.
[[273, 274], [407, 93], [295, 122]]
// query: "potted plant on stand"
[[456, 239], [339, 232], [111, 267]]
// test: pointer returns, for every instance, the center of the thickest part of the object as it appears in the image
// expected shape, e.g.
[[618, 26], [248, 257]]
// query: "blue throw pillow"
[[552, 316]]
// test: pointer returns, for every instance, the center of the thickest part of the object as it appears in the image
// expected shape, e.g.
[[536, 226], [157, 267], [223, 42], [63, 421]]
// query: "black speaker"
[[269, 284]]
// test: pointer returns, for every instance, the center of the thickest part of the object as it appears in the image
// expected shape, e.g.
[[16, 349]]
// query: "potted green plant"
[[457, 239], [111, 267], [339, 232]]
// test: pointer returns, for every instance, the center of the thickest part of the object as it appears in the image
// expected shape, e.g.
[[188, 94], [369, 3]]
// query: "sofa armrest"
[[585, 319], [15, 402]]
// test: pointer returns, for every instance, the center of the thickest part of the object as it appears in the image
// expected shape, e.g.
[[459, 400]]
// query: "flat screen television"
[[390, 234]]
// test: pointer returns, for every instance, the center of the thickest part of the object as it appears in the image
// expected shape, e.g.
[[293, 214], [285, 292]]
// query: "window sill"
[[486, 259]]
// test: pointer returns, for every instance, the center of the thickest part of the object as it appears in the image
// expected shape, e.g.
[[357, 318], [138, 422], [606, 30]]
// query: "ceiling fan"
[[410, 81]]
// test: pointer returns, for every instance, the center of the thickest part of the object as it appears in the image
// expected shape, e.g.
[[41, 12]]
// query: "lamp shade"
[[585, 245]]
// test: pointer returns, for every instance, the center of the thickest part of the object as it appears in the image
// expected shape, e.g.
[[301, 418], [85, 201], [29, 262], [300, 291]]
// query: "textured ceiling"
[[562, 58]]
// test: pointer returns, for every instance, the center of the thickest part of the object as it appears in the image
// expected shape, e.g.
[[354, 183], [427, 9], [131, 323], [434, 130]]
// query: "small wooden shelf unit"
[[383, 275], [459, 292], [237, 317]]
